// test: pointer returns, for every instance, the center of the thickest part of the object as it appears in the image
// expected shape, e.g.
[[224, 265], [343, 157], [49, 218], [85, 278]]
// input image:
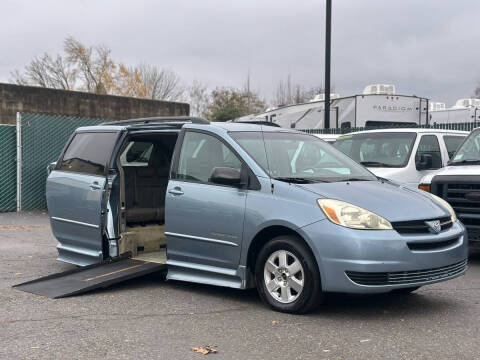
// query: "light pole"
[[328, 36]]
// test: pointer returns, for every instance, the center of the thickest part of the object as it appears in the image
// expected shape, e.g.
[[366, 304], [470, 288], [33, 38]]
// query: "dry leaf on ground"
[[204, 350]]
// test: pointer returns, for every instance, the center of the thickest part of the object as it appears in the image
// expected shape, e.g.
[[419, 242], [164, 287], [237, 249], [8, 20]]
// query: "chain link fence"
[[8, 171], [43, 138]]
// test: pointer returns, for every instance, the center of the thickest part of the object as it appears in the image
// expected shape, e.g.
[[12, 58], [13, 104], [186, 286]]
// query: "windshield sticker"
[[458, 157]]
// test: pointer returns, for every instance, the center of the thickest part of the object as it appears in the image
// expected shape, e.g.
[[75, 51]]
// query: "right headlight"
[[352, 216], [446, 206]]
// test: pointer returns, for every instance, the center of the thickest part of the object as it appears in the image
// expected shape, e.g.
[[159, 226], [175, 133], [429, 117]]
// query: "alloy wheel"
[[284, 276]]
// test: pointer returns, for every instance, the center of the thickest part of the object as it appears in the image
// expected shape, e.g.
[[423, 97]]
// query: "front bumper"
[[376, 261]]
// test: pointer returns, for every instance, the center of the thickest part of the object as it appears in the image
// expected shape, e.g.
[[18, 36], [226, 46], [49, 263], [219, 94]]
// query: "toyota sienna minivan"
[[243, 206]]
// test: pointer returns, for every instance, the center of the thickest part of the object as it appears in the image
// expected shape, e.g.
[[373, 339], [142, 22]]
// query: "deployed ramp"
[[81, 280]]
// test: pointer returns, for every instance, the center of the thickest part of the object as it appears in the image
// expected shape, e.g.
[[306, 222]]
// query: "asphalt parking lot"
[[152, 319]]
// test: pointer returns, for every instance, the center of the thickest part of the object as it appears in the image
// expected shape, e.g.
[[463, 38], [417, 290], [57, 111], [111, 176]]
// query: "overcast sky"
[[429, 48]]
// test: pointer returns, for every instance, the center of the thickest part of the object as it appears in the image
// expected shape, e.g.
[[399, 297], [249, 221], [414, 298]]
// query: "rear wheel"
[[287, 276]]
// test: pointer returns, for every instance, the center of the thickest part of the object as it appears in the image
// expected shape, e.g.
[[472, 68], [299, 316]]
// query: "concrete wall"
[[39, 100]]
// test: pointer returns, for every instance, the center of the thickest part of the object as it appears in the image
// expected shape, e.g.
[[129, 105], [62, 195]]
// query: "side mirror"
[[226, 176], [51, 167], [424, 162]]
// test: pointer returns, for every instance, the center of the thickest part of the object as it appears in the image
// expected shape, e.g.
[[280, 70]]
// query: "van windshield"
[[381, 149], [297, 157], [469, 152]]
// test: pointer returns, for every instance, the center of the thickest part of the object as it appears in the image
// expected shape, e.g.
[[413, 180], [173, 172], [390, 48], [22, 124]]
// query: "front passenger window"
[[200, 154]]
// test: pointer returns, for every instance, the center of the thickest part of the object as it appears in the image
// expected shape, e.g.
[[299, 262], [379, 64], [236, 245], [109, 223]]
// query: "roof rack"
[[258, 122], [159, 120]]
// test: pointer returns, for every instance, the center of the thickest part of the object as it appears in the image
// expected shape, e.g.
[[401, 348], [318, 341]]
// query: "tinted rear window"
[[88, 153]]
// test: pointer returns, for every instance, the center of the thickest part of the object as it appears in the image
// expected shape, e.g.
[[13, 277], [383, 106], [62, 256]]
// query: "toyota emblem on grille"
[[434, 225]]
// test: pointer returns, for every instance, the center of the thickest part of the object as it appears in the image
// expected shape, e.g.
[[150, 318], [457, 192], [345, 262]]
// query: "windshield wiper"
[[299, 180], [466, 161], [356, 179], [375, 164]]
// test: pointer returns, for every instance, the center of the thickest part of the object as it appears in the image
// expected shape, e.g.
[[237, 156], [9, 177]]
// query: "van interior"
[[144, 166]]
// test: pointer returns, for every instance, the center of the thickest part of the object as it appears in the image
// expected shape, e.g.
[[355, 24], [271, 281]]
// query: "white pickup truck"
[[403, 155], [459, 184]]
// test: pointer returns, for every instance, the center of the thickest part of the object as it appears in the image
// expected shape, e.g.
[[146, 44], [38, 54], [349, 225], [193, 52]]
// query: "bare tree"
[[160, 84], [289, 93], [252, 102], [47, 72], [299, 95], [19, 78], [283, 92], [477, 92], [92, 69], [94, 63], [128, 82], [198, 98], [310, 93]]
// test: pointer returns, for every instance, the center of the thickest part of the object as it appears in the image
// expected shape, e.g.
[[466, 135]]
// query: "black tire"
[[311, 296], [406, 291]]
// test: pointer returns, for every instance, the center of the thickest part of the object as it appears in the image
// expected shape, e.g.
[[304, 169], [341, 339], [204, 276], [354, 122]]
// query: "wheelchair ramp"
[[82, 280]]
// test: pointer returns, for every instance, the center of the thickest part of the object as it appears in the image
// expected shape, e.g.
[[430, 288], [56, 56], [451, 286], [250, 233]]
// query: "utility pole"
[[328, 37]]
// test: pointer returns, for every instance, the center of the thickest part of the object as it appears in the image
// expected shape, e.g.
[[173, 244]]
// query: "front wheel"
[[287, 276]]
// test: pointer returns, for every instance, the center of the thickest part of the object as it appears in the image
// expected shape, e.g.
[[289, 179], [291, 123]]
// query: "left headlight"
[[446, 206], [351, 216]]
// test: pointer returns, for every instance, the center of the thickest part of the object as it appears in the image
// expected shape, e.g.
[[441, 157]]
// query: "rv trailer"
[[464, 111], [377, 106]]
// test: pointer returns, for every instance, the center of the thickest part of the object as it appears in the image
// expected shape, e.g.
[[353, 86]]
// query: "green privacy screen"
[[43, 138], [8, 168]]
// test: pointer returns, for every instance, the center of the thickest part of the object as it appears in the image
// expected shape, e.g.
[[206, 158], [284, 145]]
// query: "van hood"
[[455, 170], [392, 201]]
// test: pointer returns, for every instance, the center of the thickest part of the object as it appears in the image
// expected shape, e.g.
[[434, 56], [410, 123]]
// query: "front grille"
[[407, 277], [431, 245], [471, 222], [462, 192], [459, 196], [474, 234], [419, 226]]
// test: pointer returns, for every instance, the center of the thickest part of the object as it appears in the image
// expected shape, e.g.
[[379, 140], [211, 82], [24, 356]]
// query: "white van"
[[459, 185], [402, 155]]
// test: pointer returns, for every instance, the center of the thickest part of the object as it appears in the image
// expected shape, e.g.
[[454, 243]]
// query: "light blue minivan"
[[243, 205]]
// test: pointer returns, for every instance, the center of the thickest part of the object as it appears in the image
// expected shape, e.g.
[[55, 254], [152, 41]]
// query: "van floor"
[[159, 257], [145, 243]]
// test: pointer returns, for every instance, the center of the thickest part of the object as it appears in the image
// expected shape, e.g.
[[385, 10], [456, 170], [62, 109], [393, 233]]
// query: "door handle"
[[176, 191], [95, 186]]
